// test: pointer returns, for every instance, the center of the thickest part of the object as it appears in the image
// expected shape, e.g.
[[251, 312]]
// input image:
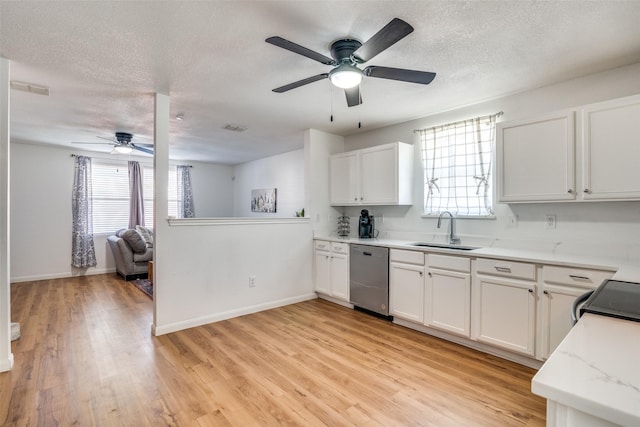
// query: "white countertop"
[[596, 370], [536, 255]]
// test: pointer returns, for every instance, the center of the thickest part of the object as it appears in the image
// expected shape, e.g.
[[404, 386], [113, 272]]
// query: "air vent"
[[235, 128], [30, 87]]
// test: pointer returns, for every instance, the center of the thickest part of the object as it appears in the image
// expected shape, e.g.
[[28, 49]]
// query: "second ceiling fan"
[[348, 53]]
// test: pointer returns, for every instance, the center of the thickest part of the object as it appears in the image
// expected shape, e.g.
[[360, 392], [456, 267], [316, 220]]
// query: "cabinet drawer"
[[408, 257], [341, 248], [322, 245], [496, 267], [447, 262], [575, 276]]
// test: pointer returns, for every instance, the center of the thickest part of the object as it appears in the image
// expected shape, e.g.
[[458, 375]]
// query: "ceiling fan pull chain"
[[331, 100]]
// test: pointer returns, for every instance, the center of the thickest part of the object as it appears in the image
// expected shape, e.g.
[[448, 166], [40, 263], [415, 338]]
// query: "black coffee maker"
[[366, 225]]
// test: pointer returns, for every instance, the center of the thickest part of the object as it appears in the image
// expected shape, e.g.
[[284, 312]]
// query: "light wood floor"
[[86, 357]]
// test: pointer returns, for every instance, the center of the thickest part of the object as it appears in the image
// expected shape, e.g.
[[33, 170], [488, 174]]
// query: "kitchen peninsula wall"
[[601, 223]]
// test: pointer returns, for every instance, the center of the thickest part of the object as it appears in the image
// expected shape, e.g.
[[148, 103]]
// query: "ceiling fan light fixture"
[[345, 76], [123, 149]]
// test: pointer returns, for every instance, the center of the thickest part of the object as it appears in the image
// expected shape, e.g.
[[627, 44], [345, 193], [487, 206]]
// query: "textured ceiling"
[[104, 60]]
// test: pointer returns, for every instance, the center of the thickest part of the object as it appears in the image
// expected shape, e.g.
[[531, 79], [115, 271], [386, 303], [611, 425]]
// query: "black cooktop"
[[616, 299]]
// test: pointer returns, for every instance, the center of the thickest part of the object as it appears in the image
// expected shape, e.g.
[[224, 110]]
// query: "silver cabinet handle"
[[530, 290], [355, 199], [421, 274], [545, 292], [502, 269], [576, 277], [586, 190], [430, 275], [570, 191]]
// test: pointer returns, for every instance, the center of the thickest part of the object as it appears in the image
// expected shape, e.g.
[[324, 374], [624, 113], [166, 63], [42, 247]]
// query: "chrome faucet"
[[453, 239]]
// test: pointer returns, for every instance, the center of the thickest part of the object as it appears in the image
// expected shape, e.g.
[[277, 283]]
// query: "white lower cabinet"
[[322, 271], [406, 283], [447, 300], [331, 272], [339, 276], [504, 305], [561, 286]]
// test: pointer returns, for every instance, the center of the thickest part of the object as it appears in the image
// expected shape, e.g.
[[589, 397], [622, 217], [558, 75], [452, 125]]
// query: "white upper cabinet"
[[536, 159], [381, 175], [611, 149], [344, 179]]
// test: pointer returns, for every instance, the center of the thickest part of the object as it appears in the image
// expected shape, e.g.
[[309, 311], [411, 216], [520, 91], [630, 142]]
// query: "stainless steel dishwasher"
[[369, 278]]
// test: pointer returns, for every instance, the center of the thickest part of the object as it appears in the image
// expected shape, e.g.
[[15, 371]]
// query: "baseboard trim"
[[485, 348], [6, 364], [64, 275], [335, 300], [158, 330]]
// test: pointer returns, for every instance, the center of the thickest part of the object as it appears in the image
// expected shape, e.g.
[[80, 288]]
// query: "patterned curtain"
[[83, 253], [185, 193], [136, 200]]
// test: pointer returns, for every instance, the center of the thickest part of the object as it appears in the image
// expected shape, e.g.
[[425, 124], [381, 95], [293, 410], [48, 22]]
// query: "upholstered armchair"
[[132, 252]]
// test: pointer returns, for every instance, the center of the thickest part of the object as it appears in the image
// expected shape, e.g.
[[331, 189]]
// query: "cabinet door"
[[504, 313], [448, 301], [556, 315], [406, 284], [322, 268], [339, 273], [536, 159], [611, 149], [344, 179], [379, 175]]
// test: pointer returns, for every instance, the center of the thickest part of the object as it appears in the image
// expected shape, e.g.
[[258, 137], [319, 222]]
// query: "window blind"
[[111, 196]]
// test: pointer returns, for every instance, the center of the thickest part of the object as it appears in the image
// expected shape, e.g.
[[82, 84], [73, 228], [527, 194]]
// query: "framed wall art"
[[264, 200]]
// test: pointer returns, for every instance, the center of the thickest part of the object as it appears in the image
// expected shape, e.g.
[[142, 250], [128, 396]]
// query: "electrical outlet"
[[549, 221], [252, 281]]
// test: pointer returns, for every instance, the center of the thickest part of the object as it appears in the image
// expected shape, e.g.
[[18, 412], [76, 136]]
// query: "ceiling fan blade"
[[92, 143], [144, 150], [353, 96], [390, 34], [113, 141], [412, 76], [300, 50], [301, 83]]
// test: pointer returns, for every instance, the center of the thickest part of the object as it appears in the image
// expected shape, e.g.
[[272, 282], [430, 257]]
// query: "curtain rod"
[[76, 155], [498, 114]]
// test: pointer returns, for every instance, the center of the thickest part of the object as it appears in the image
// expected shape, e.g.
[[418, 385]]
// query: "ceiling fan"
[[122, 144], [348, 53]]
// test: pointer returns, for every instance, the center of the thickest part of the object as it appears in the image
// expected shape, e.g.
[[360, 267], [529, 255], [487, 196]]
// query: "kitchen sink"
[[445, 246]]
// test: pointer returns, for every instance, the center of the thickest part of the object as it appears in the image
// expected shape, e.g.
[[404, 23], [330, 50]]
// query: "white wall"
[[41, 182], [318, 147], [285, 172], [212, 189], [576, 222], [6, 357]]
